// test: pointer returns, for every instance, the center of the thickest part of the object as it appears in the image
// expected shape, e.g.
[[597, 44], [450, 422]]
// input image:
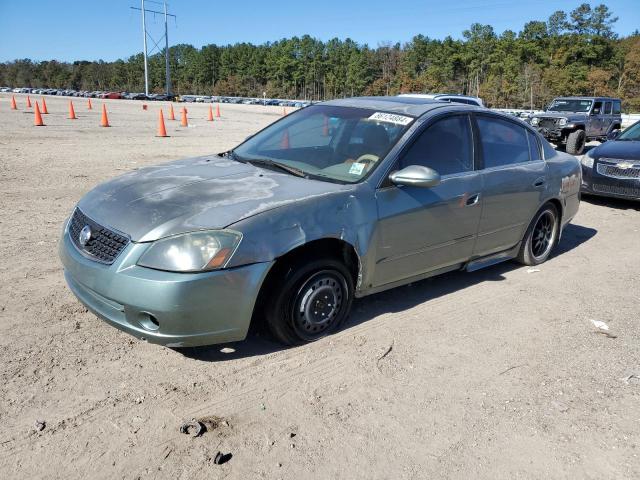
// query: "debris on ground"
[[603, 328], [629, 378], [532, 270], [193, 428], [222, 458], [39, 425]]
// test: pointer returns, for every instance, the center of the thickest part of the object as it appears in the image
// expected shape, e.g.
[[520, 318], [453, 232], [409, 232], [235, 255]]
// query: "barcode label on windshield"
[[391, 118]]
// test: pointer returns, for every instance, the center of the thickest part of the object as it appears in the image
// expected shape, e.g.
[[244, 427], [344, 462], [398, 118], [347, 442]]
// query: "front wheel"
[[576, 142], [541, 237], [309, 301]]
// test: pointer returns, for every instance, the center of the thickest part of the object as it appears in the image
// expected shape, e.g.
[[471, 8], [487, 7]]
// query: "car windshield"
[[570, 105], [631, 133], [332, 143]]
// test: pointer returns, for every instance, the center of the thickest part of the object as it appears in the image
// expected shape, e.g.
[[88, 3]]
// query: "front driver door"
[[425, 229]]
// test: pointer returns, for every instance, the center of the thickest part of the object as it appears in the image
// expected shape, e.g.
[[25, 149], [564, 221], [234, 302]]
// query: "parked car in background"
[[447, 97], [571, 122], [613, 168], [335, 201]]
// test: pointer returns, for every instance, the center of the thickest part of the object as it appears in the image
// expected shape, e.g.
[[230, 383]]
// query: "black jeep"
[[573, 121]]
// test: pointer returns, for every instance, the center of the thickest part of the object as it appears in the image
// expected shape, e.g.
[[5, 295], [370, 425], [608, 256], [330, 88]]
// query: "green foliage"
[[573, 53]]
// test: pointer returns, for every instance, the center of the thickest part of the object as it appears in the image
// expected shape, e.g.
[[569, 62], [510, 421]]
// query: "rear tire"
[[308, 300], [541, 236], [576, 142]]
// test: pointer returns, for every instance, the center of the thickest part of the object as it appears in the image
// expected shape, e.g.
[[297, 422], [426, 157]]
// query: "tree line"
[[574, 53]]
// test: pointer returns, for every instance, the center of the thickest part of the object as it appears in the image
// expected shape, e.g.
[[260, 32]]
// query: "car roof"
[[414, 106], [586, 97]]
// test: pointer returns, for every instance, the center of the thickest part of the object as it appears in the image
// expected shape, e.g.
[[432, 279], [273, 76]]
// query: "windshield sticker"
[[357, 168], [391, 118]]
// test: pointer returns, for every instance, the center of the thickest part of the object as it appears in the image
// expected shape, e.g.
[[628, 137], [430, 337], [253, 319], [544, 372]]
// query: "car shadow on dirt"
[[617, 203], [391, 301]]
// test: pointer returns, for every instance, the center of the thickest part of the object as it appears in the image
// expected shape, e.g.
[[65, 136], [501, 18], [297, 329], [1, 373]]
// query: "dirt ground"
[[497, 374]]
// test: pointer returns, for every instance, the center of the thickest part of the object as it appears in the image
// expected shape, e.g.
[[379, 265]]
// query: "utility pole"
[[166, 51], [144, 49], [146, 34]]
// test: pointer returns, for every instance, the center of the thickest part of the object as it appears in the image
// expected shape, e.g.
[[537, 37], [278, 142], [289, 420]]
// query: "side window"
[[607, 108], [616, 107], [503, 142], [534, 147], [446, 146], [597, 108]]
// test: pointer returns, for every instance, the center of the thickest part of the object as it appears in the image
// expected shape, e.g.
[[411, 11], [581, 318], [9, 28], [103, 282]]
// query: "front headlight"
[[192, 252], [535, 121], [587, 159], [562, 122]]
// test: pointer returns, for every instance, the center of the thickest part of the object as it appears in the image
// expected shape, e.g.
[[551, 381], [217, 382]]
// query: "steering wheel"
[[367, 159]]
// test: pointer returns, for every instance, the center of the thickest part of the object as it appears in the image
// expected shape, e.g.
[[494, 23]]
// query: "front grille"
[[547, 122], [617, 190], [615, 171], [103, 246]]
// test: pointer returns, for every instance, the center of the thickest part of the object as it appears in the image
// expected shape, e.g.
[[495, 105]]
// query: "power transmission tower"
[[146, 34]]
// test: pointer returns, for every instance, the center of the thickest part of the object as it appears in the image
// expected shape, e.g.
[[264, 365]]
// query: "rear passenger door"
[[514, 178]]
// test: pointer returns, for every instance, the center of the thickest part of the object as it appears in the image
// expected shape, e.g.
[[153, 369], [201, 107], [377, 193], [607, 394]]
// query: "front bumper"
[[172, 309], [595, 184]]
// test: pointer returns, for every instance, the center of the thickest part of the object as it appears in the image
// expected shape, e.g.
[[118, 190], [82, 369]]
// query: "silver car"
[[338, 200]]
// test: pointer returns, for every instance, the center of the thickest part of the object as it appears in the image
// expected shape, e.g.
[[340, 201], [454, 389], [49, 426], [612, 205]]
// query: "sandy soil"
[[497, 374]]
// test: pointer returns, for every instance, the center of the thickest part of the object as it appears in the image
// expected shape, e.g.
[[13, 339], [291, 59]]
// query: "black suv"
[[573, 121]]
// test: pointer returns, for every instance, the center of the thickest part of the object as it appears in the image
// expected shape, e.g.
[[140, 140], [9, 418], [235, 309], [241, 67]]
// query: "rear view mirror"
[[416, 176]]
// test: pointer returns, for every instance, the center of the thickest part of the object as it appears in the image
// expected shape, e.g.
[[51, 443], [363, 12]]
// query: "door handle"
[[472, 200], [539, 182]]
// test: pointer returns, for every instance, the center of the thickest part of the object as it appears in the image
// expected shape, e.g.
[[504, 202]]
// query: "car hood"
[[570, 116], [627, 150], [194, 194]]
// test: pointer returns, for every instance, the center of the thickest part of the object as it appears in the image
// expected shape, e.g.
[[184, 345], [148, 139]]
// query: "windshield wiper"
[[282, 166]]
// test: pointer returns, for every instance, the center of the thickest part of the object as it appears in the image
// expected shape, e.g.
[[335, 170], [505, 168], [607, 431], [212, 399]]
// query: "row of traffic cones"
[[38, 122]]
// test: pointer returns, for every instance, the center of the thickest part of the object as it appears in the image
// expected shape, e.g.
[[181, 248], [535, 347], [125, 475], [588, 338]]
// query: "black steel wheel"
[[309, 300]]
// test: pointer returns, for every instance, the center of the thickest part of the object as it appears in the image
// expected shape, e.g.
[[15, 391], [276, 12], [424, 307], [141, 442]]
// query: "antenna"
[[146, 34]]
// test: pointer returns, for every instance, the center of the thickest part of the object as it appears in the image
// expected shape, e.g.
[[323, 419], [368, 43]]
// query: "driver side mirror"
[[415, 176], [613, 134]]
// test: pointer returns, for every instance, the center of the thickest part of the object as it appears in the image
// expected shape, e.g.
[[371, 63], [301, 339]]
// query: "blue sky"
[[100, 29]]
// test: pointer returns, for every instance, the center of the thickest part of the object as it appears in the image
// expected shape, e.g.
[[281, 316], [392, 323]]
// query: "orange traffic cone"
[[144, 106], [44, 107], [284, 143], [28, 102], [72, 112], [217, 110], [37, 118], [183, 120], [89, 106], [104, 121], [162, 132], [210, 117], [13, 103], [171, 114]]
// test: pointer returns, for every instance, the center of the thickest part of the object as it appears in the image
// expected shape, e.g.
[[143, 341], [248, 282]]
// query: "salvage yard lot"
[[497, 374]]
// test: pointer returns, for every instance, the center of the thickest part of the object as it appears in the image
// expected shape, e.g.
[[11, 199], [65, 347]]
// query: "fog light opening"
[[148, 321]]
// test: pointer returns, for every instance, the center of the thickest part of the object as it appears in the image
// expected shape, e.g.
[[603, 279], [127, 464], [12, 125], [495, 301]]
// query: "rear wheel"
[[309, 300], [575, 142], [541, 236]]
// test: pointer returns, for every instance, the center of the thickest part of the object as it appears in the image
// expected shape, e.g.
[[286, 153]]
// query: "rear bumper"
[[172, 309]]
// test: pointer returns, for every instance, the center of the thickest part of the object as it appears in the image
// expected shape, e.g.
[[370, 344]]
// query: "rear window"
[[616, 107]]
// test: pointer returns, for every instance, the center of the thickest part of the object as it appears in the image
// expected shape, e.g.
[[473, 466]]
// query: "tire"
[[541, 236], [576, 142], [325, 284]]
